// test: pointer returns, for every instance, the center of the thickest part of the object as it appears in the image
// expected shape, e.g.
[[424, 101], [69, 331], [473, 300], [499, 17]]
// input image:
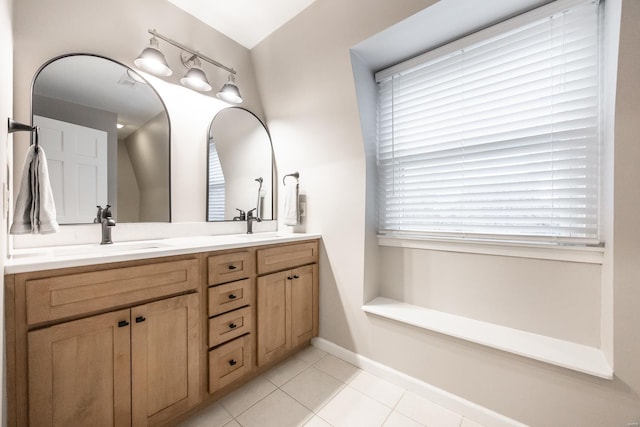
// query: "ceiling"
[[247, 22]]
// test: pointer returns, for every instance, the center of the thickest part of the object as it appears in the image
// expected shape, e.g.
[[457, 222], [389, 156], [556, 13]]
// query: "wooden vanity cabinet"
[[123, 344], [287, 300], [83, 364]]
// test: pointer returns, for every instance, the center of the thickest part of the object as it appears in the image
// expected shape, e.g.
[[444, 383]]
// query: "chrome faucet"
[[103, 216], [250, 219]]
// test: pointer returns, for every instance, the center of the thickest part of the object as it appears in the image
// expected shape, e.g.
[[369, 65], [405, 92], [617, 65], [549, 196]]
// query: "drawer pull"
[[232, 325], [140, 319], [232, 267], [232, 296], [123, 323], [295, 276], [232, 362]]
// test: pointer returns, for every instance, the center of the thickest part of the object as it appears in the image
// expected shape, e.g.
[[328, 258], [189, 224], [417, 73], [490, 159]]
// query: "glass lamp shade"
[[230, 92], [153, 61], [196, 79]]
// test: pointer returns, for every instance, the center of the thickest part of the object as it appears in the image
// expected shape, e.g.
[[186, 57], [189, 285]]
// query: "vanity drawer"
[[230, 267], [230, 362], [227, 297], [229, 326], [285, 257], [59, 297]]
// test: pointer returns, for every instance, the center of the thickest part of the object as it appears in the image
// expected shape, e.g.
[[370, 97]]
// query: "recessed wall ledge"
[[577, 357]]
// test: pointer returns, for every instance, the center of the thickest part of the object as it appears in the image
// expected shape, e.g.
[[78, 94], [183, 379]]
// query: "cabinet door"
[[304, 304], [273, 300], [80, 373], [165, 344]]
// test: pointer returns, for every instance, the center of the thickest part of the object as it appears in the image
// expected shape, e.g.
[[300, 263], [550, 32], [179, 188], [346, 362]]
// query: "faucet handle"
[[98, 217], [250, 213]]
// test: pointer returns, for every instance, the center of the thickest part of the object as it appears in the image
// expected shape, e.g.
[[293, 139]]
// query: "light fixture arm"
[[191, 51]]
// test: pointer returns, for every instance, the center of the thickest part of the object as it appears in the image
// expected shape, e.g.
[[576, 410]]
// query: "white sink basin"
[[105, 249]]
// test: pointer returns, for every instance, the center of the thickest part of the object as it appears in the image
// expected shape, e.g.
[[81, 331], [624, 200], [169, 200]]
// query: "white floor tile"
[[317, 422], [466, 422], [396, 419], [381, 390], [313, 388], [247, 395], [427, 412], [232, 423], [337, 368], [276, 410], [212, 416], [311, 354], [350, 408], [286, 370]]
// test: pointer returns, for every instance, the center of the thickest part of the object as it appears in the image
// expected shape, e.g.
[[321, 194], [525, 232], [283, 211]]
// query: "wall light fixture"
[[153, 62]]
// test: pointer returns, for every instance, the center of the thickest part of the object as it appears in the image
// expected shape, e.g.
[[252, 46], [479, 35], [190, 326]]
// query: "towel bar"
[[296, 175], [14, 126]]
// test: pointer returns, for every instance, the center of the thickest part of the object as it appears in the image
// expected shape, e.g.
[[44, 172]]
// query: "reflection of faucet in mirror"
[[103, 216], [241, 215], [259, 202], [250, 219]]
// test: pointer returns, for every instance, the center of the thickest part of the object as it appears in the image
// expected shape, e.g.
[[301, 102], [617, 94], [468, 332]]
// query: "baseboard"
[[443, 398]]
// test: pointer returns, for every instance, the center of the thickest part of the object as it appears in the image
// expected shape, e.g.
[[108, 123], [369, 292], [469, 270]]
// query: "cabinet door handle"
[[140, 319], [295, 276], [123, 323], [232, 296], [289, 278], [232, 325], [232, 267], [232, 362]]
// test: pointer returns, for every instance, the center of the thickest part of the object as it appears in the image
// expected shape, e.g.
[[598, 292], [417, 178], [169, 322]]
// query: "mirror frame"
[[164, 106], [274, 173]]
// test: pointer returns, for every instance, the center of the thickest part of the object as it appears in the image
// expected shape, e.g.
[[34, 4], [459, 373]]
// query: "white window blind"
[[216, 190], [499, 138]]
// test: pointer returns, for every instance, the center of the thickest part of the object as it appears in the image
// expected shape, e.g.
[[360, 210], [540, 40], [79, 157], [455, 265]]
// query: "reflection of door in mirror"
[[240, 166], [94, 94], [77, 162]]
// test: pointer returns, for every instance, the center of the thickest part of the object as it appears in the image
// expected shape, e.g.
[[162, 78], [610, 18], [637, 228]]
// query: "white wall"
[[306, 81]]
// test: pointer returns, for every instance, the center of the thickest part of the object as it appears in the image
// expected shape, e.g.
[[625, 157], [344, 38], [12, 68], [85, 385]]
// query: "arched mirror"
[[240, 167], [106, 135]]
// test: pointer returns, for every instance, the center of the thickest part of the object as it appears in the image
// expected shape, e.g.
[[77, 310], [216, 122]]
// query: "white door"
[[77, 161]]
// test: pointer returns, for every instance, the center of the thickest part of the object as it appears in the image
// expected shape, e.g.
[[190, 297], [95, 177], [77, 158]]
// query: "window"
[[496, 135]]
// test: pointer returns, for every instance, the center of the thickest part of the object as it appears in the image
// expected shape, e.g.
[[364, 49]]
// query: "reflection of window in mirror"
[[215, 196]]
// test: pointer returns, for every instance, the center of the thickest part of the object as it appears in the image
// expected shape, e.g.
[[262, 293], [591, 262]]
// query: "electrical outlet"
[[303, 209]]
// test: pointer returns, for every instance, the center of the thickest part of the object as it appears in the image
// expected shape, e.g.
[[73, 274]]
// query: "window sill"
[[589, 255], [578, 357]]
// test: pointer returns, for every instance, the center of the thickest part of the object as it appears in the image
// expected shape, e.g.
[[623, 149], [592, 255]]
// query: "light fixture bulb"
[[230, 92], [152, 60], [195, 78], [119, 125]]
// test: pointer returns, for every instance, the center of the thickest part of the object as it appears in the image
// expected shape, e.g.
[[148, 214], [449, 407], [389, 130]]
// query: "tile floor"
[[316, 389]]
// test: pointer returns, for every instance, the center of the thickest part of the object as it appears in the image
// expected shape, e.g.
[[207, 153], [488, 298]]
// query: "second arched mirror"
[[240, 167]]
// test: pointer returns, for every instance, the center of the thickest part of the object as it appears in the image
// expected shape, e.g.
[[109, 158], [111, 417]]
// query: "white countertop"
[[47, 258]]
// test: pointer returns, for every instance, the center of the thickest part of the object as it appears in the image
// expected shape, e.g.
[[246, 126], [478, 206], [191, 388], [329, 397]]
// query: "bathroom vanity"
[[146, 333]]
